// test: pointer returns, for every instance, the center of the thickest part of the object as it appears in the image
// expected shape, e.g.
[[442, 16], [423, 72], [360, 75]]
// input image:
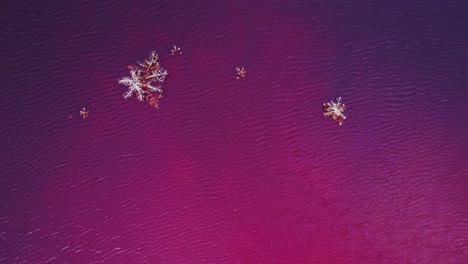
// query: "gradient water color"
[[227, 170]]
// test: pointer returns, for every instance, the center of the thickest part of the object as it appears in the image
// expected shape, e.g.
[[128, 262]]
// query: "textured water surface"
[[235, 171]]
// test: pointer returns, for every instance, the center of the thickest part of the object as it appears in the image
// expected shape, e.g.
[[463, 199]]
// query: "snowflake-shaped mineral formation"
[[241, 72], [175, 50], [335, 110], [144, 80], [84, 113]]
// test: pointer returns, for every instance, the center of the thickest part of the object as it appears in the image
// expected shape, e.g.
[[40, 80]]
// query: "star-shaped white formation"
[[241, 72], [175, 49], [138, 85], [335, 110], [144, 80]]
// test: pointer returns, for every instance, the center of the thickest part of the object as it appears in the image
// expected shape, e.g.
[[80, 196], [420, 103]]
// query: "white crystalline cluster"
[[241, 72], [137, 85], [175, 49], [157, 75], [143, 78], [335, 110]]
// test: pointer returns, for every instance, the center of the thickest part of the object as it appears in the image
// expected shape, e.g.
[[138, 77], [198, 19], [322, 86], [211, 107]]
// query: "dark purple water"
[[235, 171]]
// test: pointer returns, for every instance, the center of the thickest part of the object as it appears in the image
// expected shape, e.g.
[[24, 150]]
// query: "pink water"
[[235, 171]]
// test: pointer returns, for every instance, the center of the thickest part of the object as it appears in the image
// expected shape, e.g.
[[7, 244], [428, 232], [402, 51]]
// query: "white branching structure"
[[138, 85], [142, 80], [175, 49], [241, 72], [335, 110], [157, 75]]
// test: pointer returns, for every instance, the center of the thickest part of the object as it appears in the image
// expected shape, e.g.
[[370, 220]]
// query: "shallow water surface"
[[227, 170]]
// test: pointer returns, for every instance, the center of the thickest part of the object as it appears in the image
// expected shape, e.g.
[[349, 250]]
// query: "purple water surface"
[[235, 171]]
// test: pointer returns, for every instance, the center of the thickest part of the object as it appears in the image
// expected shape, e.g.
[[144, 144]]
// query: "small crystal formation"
[[241, 72], [335, 110], [144, 80], [84, 113], [175, 50]]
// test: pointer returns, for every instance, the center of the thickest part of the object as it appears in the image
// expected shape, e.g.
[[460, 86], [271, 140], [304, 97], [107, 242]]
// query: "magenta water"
[[235, 170]]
